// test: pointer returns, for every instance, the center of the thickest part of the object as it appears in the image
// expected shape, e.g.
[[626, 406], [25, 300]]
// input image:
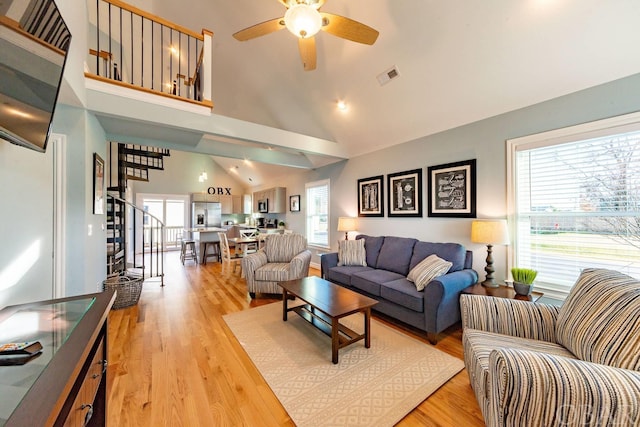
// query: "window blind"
[[577, 205]]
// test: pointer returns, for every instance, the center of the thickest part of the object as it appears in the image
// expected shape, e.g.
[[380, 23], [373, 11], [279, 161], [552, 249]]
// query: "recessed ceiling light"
[[342, 105]]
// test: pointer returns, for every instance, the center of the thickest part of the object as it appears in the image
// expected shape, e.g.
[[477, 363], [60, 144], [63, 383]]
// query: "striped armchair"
[[541, 365], [283, 257]]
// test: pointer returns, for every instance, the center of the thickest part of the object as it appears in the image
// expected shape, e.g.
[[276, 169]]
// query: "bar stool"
[[188, 251], [216, 251]]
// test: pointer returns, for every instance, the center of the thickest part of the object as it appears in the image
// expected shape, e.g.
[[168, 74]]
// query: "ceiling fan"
[[304, 20]]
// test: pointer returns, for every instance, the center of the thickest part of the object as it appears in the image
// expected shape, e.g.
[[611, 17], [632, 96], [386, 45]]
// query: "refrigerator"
[[206, 214]]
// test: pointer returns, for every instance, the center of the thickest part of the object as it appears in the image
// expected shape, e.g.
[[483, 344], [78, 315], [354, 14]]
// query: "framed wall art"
[[452, 190], [371, 196], [405, 193], [98, 184], [294, 203]]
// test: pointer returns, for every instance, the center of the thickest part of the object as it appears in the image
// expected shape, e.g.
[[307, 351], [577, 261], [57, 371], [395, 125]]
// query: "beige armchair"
[[541, 365], [283, 257]]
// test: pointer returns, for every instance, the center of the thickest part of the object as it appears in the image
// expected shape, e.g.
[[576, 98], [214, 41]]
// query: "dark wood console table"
[[66, 384]]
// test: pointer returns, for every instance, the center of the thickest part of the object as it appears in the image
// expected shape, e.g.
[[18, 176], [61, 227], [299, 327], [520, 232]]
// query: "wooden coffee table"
[[326, 304]]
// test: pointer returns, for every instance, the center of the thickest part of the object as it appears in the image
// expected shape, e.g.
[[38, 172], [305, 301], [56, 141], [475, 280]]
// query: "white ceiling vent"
[[388, 75]]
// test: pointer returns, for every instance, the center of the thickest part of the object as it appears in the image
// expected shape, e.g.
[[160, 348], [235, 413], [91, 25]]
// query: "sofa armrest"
[[327, 261], [442, 299], [531, 388], [250, 264], [299, 265], [509, 317]]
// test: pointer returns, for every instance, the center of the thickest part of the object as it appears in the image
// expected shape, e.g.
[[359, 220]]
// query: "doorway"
[[172, 210]]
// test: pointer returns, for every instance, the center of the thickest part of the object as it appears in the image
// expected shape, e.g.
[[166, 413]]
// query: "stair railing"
[[152, 243], [137, 49]]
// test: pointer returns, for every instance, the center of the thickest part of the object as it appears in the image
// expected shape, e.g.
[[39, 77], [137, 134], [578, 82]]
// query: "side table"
[[501, 291]]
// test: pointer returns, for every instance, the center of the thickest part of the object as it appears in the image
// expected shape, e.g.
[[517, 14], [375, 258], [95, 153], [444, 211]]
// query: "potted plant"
[[281, 225], [523, 280]]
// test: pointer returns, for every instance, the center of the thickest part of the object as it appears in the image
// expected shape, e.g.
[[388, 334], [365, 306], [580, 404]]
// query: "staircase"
[[135, 238]]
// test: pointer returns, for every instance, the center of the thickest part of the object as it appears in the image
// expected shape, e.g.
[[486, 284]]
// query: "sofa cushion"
[[600, 319], [283, 247], [343, 274], [372, 245], [395, 254], [273, 272], [427, 270], [404, 293], [455, 253], [370, 280], [351, 252]]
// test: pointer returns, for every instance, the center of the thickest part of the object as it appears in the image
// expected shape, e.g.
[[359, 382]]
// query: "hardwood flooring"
[[174, 362]]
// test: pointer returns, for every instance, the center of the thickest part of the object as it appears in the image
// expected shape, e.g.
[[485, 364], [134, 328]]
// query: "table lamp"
[[346, 224], [490, 232]]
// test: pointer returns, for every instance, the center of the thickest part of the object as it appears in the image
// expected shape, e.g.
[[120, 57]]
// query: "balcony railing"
[[137, 49]]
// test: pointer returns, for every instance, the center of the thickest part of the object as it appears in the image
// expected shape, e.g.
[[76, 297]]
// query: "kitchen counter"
[[202, 235]]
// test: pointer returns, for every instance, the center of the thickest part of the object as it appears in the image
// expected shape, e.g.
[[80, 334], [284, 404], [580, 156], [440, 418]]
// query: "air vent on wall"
[[388, 75]]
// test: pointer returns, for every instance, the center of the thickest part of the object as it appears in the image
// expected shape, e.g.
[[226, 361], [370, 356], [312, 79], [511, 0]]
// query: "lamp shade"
[[490, 232], [346, 223], [303, 20]]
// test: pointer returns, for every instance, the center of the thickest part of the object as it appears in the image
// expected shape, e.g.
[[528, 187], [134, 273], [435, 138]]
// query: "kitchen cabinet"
[[276, 198], [67, 383], [247, 204], [204, 197], [237, 205], [226, 203]]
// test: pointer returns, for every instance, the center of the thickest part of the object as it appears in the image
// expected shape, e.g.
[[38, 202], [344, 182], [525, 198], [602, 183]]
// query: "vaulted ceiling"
[[459, 61]]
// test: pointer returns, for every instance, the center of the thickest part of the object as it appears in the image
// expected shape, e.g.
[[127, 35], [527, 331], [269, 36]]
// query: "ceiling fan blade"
[[307, 49], [348, 28], [260, 29]]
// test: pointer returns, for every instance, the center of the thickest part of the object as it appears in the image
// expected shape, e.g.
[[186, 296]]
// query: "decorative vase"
[[522, 288]]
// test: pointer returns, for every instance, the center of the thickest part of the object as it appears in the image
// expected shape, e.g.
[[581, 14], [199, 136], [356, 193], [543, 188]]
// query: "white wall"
[[483, 141], [86, 234], [180, 176], [26, 224]]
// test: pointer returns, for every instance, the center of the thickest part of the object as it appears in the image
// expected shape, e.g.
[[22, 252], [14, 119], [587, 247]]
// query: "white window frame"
[[307, 186], [600, 128]]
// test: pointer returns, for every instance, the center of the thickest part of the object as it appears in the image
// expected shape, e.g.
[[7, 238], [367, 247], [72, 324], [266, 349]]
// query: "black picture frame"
[[294, 203], [452, 190], [405, 193], [98, 185], [371, 196]]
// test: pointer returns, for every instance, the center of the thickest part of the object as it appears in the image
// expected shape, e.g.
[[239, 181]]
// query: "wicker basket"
[[128, 290]]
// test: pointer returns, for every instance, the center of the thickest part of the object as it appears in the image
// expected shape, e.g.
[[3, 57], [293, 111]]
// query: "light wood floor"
[[174, 362]]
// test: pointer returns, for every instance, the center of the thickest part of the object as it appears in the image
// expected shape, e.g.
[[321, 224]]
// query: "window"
[[575, 198], [318, 213]]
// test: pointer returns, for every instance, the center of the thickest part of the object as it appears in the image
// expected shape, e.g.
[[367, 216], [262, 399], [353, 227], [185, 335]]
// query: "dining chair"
[[227, 257], [249, 233]]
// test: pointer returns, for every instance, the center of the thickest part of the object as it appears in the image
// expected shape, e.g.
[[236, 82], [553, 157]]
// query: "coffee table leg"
[[367, 328], [334, 340], [284, 305]]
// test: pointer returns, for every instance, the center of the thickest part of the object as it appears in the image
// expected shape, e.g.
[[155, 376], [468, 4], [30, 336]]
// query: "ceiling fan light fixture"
[[303, 20]]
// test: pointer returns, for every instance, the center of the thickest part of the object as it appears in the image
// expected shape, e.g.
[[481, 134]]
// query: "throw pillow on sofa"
[[427, 270], [351, 252]]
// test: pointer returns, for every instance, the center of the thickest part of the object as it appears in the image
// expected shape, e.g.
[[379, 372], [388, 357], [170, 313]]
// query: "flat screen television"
[[34, 43]]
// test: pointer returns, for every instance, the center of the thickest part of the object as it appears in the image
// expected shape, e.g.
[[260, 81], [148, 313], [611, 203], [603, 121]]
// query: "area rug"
[[368, 387]]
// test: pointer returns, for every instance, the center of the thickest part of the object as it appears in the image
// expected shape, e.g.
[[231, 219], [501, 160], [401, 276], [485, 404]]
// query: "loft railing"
[[144, 251], [44, 22], [137, 49]]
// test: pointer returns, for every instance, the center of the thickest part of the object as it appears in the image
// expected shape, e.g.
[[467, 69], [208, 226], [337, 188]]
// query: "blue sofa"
[[384, 278]]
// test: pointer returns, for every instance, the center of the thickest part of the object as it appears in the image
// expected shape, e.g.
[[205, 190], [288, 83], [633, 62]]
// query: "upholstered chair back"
[[283, 247], [600, 319]]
